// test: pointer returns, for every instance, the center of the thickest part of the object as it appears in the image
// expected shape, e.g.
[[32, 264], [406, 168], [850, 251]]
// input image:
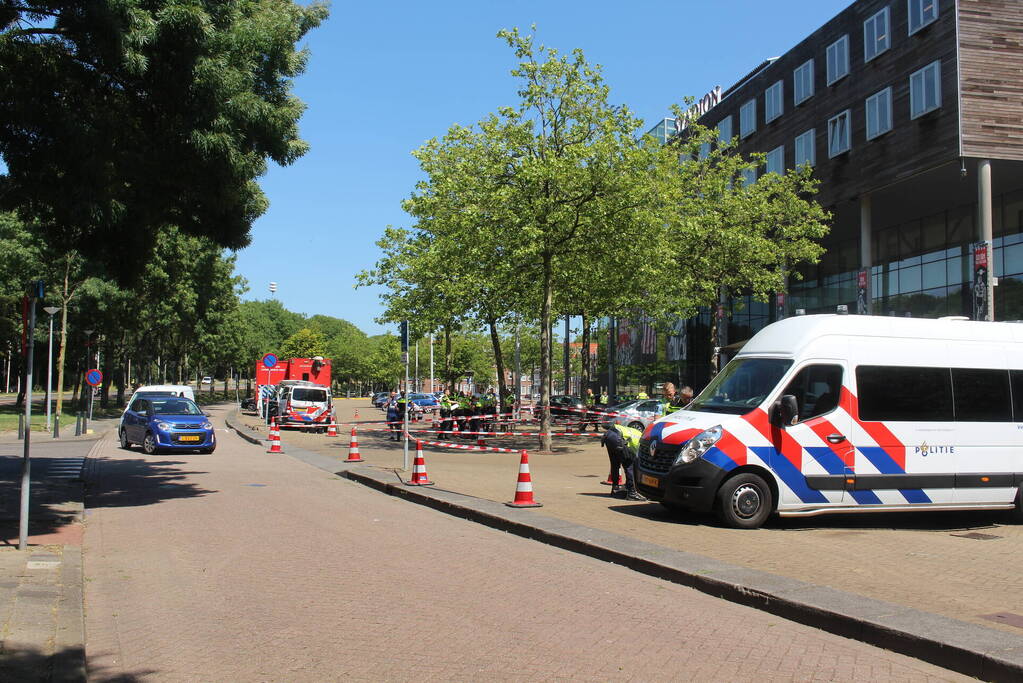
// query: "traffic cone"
[[275, 437], [332, 428], [480, 441], [524, 487], [353, 449], [356, 413], [419, 477], [608, 482]]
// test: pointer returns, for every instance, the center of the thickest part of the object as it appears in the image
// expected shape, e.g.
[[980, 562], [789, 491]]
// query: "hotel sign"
[[702, 106]]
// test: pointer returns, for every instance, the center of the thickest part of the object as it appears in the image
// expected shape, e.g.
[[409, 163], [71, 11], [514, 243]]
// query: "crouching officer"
[[622, 445]]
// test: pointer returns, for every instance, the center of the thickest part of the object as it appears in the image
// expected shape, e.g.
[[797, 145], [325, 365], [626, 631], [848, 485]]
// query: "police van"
[[840, 413]]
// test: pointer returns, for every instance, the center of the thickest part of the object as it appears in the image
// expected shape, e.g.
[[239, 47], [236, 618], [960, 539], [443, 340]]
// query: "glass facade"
[[921, 267]]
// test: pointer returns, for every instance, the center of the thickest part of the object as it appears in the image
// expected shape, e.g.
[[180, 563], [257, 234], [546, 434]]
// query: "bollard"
[[21, 427], [78, 423], [56, 426]]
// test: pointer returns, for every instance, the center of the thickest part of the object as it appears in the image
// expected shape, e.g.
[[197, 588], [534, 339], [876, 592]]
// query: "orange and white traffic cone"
[[275, 437], [356, 413], [353, 448], [419, 476], [609, 481], [480, 441], [332, 428], [524, 487]]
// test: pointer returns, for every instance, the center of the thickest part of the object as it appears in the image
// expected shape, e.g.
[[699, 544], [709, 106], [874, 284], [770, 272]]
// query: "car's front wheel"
[[745, 501], [149, 444], [637, 425], [125, 444]]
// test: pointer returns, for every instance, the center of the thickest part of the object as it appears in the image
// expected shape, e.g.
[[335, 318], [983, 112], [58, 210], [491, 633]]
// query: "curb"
[[956, 645], [241, 430]]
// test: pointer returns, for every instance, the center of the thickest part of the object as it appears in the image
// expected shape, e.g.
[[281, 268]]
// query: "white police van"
[[840, 413]]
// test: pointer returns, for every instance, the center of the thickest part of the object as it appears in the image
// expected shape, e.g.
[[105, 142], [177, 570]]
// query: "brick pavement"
[[249, 566], [925, 561]]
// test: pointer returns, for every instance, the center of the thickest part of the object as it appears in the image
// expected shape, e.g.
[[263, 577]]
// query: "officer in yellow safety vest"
[[641, 394], [622, 445]]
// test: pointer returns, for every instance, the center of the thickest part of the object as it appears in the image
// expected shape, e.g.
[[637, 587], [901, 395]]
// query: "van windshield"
[[314, 395], [741, 386]]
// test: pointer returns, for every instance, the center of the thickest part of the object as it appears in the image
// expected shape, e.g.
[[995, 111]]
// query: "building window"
[[704, 150], [925, 90], [748, 118], [748, 176], [876, 38], [802, 82], [725, 130], [806, 152], [921, 13], [838, 134], [776, 160], [879, 113], [838, 59], [773, 102]]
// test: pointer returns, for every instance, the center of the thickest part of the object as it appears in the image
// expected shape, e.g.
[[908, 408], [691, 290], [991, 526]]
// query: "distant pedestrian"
[[622, 444], [392, 418]]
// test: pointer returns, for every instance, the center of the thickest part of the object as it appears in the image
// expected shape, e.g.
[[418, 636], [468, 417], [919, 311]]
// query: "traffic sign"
[[269, 360], [94, 377]]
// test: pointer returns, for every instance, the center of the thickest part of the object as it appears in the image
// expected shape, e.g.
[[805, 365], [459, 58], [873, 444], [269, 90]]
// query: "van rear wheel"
[[745, 501]]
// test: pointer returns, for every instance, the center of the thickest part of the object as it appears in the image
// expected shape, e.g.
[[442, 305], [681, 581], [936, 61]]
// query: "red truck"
[[297, 392]]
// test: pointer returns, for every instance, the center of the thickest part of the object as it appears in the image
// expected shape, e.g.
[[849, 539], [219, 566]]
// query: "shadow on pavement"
[[937, 521], [31, 665], [135, 482]]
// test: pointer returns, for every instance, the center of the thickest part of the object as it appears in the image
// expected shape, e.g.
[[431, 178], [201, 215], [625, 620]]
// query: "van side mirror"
[[785, 411]]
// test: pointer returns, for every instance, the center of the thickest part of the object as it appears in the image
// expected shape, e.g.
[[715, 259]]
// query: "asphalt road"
[[248, 566]]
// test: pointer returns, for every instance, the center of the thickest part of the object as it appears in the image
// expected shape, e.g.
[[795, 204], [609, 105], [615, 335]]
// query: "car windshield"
[[174, 406], [741, 386], [622, 406], [419, 397], [316, 395]]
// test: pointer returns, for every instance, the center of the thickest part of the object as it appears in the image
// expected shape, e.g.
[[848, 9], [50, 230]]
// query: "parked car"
[[182, 390], [567, 406], [161, 422], [207, 380], [636, 414], [424, 402], [380, 399]]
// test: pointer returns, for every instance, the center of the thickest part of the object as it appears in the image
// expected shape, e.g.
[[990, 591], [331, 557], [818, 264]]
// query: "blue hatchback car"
[[171, 423]]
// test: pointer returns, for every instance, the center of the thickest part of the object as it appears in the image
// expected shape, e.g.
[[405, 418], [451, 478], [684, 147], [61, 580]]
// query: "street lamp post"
[[88, 342], [49, 366]]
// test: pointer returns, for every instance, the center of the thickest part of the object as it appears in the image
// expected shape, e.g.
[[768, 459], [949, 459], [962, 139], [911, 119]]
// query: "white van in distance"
[[848, 413]]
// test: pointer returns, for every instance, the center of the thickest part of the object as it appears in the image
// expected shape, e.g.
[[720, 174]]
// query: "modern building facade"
[[911, 114]]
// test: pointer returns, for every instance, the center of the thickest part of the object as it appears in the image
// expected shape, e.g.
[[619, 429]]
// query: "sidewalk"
[[906, 582]]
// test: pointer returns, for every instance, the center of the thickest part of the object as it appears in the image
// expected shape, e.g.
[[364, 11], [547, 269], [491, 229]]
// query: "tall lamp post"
[[49, 366], [88, 358]]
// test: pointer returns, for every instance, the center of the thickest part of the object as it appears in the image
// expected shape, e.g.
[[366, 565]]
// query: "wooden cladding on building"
[[912, 146], [991, 78]]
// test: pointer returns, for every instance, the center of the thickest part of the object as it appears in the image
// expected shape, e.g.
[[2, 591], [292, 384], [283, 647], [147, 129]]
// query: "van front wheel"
[[745, 501]]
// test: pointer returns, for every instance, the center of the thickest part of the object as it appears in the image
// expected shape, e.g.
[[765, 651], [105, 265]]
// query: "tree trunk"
[[448, 359], [502, 386], [584, 384], [108, 368], [545, 353]]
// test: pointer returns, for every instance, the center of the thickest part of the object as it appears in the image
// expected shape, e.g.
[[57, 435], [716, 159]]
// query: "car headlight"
[[162, 426], [207, 425], [698, 445]]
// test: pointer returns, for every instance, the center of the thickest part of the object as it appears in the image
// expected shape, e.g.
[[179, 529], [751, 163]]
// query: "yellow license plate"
[[647, 480], [190, 437]]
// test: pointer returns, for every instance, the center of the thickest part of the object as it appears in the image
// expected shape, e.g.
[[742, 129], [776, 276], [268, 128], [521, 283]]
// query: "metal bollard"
[[78, 423], [56, 426], [21, 427]]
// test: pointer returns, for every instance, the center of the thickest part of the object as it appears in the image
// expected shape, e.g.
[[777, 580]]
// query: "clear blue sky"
[[383, 77]]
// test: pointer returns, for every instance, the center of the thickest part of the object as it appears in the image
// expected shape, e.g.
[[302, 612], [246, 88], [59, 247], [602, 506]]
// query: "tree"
[[117, 119], [732, 237], [304, 344]]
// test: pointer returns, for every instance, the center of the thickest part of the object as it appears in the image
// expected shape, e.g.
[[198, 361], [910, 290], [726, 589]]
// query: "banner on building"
[[677, 340], [779, 306], [625, 347], [980, 280]]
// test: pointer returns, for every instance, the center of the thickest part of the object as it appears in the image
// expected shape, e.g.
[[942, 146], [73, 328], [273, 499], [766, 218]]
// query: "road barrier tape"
[[431, 431], [463, 447]]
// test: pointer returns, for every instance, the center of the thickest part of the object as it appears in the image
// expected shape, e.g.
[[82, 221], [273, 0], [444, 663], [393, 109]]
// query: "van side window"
[[981, 395], [816, 388], [1016, 377], [904, 394]]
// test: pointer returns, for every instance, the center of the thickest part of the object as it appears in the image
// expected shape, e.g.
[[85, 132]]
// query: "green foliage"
[[120, 118], [304, 344]]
